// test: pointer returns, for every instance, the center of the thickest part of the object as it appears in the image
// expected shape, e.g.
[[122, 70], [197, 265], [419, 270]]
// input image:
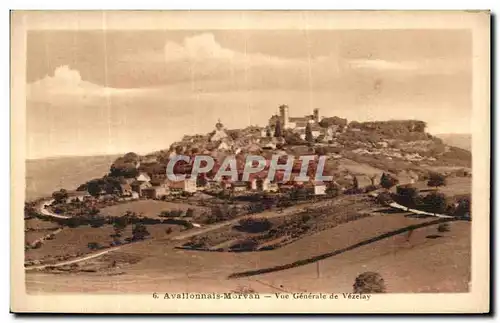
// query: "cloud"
[[421, 66], [68, 83], [379, 64]]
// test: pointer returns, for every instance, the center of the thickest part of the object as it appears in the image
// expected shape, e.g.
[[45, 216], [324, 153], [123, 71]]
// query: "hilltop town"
[[375, 166], [355, 151]]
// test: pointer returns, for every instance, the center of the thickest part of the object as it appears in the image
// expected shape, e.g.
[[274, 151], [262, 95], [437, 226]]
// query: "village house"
[[138, 186], [155, 192], [125, 190], [143, 177], [316, 187], [239, 186], [187, 185]]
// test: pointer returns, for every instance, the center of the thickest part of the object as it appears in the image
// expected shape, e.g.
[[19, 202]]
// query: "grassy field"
[[425, 263], [148, 208], [454, 186], [72, 241]]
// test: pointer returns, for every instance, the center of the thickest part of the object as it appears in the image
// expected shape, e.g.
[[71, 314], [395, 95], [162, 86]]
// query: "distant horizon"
[[152, 151]]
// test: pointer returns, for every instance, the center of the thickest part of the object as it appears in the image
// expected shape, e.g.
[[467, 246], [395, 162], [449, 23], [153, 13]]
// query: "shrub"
[[254, 225], [245, 245], [369, 283], [139, 232], [387, 181], [384, 198], [407, 195], [435, 203], [443, 227], [94, 245], [436, 179], [463, 207]]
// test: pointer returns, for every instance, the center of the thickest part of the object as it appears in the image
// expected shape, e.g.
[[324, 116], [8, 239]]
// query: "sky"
[[107, 92]]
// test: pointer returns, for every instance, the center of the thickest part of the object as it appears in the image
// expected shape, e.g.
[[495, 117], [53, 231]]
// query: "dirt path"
[[46, 212], [74, 261]]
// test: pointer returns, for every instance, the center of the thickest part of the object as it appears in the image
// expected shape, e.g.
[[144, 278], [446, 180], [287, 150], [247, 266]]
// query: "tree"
[[94, 187], [94, 245], [435, 203], [355, 184], [463, 207], [189, 213], [384, 198], [309, 135], [369, 283], [387, 181], [436, 179], [407, 195], [119, 225], [139, 232], [277, 129], [268, 132], [60, 196]]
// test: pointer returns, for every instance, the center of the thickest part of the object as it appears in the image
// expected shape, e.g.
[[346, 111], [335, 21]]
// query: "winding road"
[[43, 210]]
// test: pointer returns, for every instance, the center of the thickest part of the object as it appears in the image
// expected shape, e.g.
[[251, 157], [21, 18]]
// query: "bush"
[[435, 203], [463, 207], [384, 198], [139, 232], [369, 283], [436, 179], [443, 227], [254, 225], [245, 245], [94, 245], [387, 181], [407, 195]]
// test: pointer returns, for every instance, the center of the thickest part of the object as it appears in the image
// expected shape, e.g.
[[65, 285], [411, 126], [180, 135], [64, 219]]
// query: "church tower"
[[284, 116], [316, 115]]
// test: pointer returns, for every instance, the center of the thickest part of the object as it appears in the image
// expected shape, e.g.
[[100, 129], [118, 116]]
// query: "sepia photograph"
[[266, 161]]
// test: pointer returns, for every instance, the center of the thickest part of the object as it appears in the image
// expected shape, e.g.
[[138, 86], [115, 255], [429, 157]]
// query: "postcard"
[[250, 161]]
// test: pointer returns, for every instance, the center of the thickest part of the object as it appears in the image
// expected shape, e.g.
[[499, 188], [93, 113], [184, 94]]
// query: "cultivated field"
[[427, 262], [454, 186], [148, 208]]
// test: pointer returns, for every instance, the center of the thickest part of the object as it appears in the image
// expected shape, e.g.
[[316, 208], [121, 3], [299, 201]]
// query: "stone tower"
[[316, 115], [284, 116]]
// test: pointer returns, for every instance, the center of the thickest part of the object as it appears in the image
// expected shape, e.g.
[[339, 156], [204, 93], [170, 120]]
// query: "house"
[[219, 133], [138, 186], [155, 192], [143, 177], [224, 145], [126, 189], [272, 187], [319, 188], [239, 186], [315, 188], [187, 185], [316, 131]]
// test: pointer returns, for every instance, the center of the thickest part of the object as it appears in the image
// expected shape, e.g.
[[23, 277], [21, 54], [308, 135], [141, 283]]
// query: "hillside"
[[460, 140], [43, 176]]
